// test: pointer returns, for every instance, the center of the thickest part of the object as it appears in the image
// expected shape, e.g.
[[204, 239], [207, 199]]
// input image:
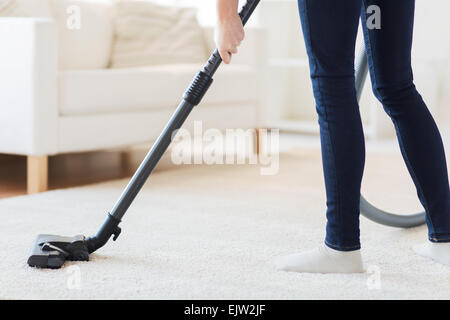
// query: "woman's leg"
[[330, 28], [389, 55]]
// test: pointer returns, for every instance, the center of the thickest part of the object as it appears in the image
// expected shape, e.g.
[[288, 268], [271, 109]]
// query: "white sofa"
[[45, 111]]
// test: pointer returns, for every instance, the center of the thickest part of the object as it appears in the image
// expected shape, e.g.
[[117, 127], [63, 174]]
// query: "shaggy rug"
[[211, 232]]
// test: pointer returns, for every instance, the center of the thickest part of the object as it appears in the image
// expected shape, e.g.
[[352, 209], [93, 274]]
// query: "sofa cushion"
[[150, 34], [25, 8], [85, 33], [146, 88]]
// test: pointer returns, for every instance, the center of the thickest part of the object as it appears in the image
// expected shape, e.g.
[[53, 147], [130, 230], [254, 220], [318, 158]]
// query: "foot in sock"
[[322, 260], [437, 251]]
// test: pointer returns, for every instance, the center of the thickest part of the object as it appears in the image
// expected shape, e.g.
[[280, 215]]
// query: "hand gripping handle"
[[203, 79], [215, 59]]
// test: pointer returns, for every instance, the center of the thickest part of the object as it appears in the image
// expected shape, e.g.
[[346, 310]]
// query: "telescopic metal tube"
[[191, 98], [151, 160], [175, 123]]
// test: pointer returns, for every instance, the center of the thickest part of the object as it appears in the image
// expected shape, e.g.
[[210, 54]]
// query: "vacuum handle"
[[247, 10], [215, 60], [203, 80]]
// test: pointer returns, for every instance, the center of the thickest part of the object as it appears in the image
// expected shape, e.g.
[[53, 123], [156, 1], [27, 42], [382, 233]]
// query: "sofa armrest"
[[252, 50], [28, 86]]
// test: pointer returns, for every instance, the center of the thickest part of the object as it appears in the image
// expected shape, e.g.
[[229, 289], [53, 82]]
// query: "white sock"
[[437, 251], [322, 260]]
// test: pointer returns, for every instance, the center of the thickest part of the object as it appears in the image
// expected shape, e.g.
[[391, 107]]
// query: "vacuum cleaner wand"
[[51, 251]]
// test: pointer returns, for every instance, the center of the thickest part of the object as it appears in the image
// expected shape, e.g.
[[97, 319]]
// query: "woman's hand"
[[229, 31]]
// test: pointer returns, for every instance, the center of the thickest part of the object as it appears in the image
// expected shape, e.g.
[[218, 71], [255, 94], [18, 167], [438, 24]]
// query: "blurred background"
[[88, 84], [86, 87], [290, 94]]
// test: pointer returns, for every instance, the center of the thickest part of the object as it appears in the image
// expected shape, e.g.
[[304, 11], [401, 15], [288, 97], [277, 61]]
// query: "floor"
[[77, 169], [65, 171], [211, 232], [81, 169]]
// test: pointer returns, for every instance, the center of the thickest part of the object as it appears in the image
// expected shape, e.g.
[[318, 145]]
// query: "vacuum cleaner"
[[51, 251]]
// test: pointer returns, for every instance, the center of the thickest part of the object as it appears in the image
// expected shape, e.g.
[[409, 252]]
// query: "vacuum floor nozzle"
[[51, 251]]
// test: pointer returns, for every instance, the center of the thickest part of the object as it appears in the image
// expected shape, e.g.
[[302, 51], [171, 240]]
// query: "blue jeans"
[[330, 29]]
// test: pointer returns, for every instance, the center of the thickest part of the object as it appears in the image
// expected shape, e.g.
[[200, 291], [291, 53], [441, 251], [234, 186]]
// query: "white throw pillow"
[[25, 8], [85, 33], [150, 34]]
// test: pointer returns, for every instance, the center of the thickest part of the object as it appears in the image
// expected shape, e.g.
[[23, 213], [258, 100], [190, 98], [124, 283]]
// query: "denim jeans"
[[330, 30]]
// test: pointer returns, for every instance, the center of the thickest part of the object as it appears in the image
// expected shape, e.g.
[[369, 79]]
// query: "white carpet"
[[208, 233]]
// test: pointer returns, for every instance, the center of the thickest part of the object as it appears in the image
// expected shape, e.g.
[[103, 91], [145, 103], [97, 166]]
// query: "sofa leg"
[[258, 141], [37, 174], [126, 156]]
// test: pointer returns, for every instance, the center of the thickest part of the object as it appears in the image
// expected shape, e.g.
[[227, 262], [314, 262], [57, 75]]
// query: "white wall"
[[431, 55], [207, 8]]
